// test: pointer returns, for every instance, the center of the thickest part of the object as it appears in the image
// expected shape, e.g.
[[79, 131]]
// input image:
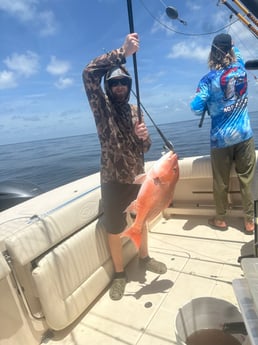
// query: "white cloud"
[[193, 6], [49, 26], [28, 11], [186, 50], [23, 64], [63, 83], [7, 80], [23, 9], [163, 23], [58, 67]]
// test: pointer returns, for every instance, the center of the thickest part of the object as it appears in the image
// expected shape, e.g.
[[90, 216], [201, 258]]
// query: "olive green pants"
[[243, 155]]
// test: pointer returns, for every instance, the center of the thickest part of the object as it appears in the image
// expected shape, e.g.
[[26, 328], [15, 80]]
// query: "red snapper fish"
[[156, 193]]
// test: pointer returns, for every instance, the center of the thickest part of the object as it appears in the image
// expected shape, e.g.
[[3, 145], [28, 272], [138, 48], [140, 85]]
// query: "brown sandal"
[[217, 224]]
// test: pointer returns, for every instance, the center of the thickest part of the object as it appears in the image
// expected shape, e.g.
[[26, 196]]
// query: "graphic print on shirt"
[[232, 84]]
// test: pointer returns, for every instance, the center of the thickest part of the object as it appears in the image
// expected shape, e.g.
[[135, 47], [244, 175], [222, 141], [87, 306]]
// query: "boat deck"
[[201, 262]]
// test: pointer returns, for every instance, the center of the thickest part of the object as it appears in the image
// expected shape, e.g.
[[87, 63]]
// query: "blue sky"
[[45, 45]]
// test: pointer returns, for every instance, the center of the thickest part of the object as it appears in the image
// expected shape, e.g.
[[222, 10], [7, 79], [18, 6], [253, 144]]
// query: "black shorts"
[[115, 199]]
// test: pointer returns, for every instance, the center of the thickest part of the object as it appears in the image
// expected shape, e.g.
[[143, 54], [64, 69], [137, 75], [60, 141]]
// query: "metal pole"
[[255, 228]]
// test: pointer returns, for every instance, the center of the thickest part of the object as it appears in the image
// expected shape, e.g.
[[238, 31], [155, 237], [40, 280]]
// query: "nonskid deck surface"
[[200, 261]]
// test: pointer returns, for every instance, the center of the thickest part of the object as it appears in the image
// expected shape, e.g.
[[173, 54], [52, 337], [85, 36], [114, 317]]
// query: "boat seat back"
[[45, 231], [61, 260], [194, 190], [196, 182]]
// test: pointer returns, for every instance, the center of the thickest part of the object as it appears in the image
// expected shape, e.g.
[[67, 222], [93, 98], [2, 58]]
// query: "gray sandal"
[[152, 265], [117, 288]]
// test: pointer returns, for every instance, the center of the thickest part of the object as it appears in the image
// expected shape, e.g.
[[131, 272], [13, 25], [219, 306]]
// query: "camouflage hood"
[[117, 72]]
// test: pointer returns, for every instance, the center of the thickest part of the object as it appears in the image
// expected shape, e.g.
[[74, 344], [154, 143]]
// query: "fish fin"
[[136, 237], [139, 179], [131, 208], [156, 180], [160, 180]]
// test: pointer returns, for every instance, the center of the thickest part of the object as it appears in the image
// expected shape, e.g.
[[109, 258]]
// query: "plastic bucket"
[[205, 313]]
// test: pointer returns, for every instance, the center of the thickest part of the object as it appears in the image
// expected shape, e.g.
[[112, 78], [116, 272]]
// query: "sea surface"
[[54, 162]]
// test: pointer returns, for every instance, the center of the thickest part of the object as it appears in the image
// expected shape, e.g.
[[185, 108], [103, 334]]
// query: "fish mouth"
[[172, 155]]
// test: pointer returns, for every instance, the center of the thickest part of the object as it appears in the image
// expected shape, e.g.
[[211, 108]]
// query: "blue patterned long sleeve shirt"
[[224, 94]]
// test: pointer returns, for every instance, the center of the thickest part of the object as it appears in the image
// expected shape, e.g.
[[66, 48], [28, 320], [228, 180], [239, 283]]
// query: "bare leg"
[[150, 264], [115, 245], [143, 251]]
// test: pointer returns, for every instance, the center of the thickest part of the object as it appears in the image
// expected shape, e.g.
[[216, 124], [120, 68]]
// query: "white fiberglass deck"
[[200, 261], [55, 289]]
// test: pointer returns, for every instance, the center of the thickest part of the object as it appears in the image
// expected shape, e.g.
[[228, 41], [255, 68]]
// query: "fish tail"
[[135, 236]]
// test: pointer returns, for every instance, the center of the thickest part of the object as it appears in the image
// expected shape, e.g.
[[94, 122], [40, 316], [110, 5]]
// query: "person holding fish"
[[123, 139], [223, 92]]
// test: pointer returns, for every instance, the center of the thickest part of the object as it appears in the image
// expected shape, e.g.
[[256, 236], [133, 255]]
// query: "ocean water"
[[54, 162]]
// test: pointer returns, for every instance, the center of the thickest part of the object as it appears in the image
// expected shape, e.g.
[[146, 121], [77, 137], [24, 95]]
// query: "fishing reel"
[[168, 146]]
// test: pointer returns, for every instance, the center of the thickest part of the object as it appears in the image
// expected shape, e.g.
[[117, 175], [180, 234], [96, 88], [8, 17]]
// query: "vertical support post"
[[256, 228]]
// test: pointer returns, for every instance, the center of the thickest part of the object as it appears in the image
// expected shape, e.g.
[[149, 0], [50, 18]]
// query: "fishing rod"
[[241, 17], [131, 26], [167, 143], [247, 12], [252, 5], [137, 94], [205, 110]]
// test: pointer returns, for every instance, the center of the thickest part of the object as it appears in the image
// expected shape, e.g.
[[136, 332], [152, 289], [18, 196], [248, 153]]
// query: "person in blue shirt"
[[223, 92]]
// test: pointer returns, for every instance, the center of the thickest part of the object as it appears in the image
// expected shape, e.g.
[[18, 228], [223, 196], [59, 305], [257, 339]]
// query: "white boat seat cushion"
[[74, 274], [71, 275], [46, 232]]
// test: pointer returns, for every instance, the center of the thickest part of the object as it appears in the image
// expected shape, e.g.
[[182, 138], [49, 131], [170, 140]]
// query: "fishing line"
[[247, 49], [139, 105], [163, 3], [167, 143], [184, 33]]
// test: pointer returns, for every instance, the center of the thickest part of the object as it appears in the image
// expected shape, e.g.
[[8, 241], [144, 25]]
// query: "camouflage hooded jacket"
[[121, 150]]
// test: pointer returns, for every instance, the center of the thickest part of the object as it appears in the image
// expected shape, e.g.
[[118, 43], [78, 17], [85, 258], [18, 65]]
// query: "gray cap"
[[117, 72]]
